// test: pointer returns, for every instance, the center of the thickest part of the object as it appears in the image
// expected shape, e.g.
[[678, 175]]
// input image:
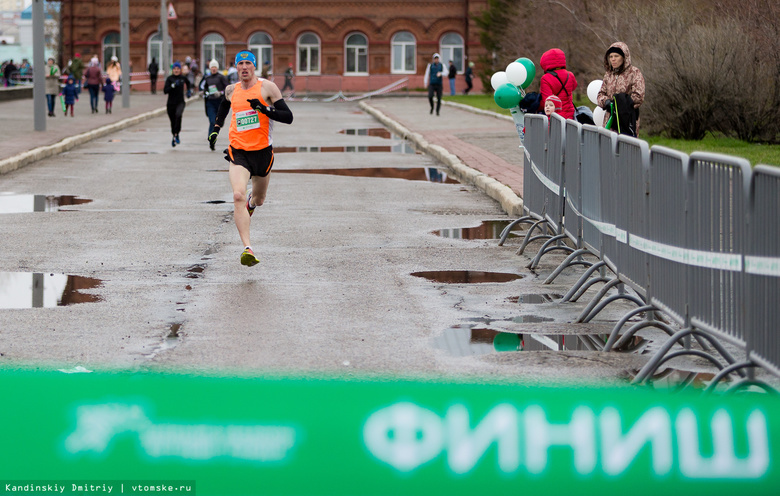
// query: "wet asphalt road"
[[333, 292]]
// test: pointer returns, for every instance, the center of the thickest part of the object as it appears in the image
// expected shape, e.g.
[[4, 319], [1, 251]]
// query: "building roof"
[[27, 13]]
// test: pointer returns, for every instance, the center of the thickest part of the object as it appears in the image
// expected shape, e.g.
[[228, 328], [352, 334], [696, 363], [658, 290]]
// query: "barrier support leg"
[[528, 237], [508, 229], [584, 277], [566, 263], [595, 300], [613, 336], [546, 248]]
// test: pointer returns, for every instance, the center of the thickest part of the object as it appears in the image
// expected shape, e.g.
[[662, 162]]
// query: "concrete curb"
[[509, 201], [475, 110], [26, 158]]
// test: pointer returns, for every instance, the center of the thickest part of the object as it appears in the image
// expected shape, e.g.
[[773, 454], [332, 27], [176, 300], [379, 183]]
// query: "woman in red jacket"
[[557, 81]]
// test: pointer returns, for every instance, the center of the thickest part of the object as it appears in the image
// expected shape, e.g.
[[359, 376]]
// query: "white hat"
[[115, 59], [213, 63], [436, 55]]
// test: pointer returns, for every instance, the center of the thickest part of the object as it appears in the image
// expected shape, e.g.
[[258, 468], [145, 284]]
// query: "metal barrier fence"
[[697, 238], [536, 151], [762, 268], [553, 193], [572, 227], [716, 223], [666, 232], [632, 164], [590, 182]]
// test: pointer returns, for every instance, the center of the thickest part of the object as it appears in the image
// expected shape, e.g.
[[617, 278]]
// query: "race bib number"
[[246, 120], [212, 90]]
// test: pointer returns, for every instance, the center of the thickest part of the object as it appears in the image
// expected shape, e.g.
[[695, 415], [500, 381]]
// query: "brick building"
[[332, 45]]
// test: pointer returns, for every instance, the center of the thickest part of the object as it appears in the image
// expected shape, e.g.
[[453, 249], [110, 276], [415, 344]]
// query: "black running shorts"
[[257, 162]]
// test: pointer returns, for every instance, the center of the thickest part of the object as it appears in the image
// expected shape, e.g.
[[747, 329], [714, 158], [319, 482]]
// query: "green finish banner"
[[144, 433]]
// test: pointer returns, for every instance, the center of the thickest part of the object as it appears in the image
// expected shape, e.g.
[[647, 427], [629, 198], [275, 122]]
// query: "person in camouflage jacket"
[[621, 77]]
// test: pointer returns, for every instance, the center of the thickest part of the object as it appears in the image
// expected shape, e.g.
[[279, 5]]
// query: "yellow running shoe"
[[248, 258]]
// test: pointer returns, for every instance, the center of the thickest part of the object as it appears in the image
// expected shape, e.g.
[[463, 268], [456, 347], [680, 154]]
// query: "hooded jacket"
[[625, 79], [557, 81]]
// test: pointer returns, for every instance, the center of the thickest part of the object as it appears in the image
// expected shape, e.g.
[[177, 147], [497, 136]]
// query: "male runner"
[[255, 103]]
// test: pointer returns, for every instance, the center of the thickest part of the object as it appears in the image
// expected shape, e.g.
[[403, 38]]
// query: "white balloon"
[[516, 73], [498, 79], [598, 116], [593, 90]]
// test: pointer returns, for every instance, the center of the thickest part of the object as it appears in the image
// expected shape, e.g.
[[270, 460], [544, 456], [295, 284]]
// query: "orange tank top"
[[249, 129]]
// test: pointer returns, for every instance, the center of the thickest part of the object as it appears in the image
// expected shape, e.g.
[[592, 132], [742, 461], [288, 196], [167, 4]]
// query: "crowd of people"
[[621, 94]]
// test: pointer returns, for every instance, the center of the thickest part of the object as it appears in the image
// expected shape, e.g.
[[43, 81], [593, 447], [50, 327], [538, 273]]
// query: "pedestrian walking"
[[153, 69], [214, 86], [232, 73], [108, 95], [469, 76], [288, 80], [452, 72], [52, 85], [8, 71], [255, 103], [624, 85], [433, 81], [76, 69], [70, 94], [93, 80], [114, 72], [176, 87]]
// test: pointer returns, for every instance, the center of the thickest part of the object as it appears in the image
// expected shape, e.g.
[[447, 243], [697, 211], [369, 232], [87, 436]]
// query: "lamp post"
[[124, 26], [39, 65]]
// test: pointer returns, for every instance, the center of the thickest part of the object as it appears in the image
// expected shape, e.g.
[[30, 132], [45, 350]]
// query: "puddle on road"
[[11, 203], [377, 132], [39, 290], [466, 276], [430, 174], [467, 340], [403, 147], [535, 299], [489, 229]]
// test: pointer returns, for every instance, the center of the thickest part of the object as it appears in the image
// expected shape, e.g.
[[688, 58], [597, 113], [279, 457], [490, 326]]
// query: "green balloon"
[[507, 96], [530, 69], [504, 341]]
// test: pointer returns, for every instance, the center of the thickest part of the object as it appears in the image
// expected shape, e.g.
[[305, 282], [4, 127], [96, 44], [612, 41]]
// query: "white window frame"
[[116, 48], [154, 49], [212, 49], [358, 52], [452, 51], [404, 47], [263, 51], [308, 47]]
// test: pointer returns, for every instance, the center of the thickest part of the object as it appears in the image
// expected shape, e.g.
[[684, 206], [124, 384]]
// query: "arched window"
[[404, 48], [112, 47], [154, 50], [451, 48], [356, 60], [262, 46], [308, 54], [213, 46]]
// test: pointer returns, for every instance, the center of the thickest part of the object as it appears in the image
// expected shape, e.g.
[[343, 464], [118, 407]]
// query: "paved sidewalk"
[[486, 143], [18, 122]]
